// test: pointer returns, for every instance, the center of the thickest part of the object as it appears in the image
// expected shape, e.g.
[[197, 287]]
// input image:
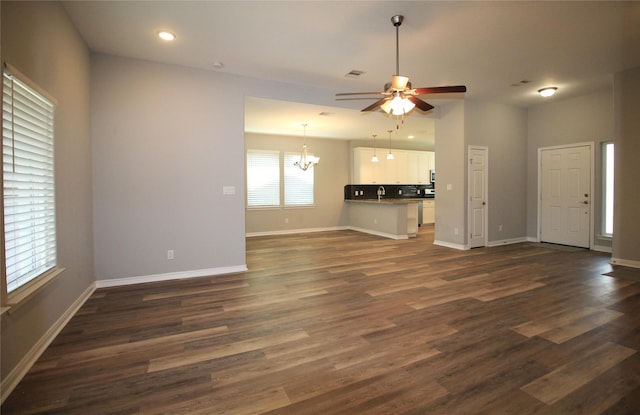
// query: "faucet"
[[381, 192]]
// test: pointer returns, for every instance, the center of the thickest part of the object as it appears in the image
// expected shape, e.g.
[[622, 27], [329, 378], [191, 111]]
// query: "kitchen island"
[[388, 217]]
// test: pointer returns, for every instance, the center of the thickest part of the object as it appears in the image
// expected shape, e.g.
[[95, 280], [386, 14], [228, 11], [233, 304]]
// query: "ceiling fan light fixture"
[[547, 92], [399, 82], [398, 105]]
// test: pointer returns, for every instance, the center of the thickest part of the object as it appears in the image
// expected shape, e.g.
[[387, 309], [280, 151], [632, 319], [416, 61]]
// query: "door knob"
[[484, 203], [585, 202]]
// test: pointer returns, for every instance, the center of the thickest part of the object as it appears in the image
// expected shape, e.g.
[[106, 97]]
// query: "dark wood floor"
[[348, 323]]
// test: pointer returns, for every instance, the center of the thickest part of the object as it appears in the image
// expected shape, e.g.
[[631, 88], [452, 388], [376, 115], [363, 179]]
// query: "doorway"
[[477, 183], [565, 183]]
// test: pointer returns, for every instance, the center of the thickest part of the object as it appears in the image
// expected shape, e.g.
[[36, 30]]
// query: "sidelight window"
[[607, 191]]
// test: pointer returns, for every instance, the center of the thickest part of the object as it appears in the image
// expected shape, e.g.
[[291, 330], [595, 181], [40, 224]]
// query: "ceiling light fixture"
[[305, 161], [547, 92], [374, 159], [389, 156], [168, 36]]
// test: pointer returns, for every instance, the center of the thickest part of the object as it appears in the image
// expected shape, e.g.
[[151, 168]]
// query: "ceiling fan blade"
[[342, 94], [354, 98], [374, 105], [424, 106], [440, 89]]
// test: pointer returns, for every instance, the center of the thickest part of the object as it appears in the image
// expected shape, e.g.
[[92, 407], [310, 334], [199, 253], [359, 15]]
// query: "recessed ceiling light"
[[411, 137], [218, 65], [166, 36], [547, 92]]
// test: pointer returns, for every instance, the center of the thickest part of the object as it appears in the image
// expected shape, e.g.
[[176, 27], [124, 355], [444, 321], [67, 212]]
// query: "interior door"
[[565, 195], [477, 188]]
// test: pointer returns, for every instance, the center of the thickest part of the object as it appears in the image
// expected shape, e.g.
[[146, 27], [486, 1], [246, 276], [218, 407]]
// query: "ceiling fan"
[[398, 97]]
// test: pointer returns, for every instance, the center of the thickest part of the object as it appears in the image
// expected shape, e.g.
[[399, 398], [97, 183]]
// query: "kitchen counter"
[[389, 217], [386, 200]]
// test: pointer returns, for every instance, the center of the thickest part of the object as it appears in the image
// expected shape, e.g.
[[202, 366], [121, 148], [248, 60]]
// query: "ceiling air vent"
[[354, 73]]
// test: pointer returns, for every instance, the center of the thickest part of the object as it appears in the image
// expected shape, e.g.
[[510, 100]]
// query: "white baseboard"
[[451, 245], [294, 231], [116, 282], [601, 248], [15, 376], [508, 241], [532, 239], [625, 262]]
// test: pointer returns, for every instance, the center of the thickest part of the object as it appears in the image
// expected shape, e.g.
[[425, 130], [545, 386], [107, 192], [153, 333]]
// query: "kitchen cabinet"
[[407, 166], [428, 211]]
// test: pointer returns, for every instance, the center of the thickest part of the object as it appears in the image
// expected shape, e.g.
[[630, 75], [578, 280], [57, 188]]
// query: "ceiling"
[[502, 51]]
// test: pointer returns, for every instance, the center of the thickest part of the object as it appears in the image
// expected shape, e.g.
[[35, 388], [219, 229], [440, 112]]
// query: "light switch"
[[228, 190]]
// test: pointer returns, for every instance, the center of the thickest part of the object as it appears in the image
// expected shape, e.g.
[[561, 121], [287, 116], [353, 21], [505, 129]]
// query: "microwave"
[[432, 175]]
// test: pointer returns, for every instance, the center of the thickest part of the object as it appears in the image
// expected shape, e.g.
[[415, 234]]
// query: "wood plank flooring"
[[348, 323]]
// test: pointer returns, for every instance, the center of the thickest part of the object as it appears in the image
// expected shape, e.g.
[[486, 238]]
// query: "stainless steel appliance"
[[432, 173]]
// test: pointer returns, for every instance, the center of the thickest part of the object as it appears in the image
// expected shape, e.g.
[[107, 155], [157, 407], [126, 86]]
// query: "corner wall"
[[40, 41], [626, 224]]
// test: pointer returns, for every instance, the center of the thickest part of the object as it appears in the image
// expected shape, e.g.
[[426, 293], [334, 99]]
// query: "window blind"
[[263, 178], [28, 173], [298, 184]]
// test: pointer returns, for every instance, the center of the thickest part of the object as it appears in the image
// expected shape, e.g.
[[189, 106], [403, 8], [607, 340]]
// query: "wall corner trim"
[[15, 376], [116, 282], [625, 262], [451, 245]]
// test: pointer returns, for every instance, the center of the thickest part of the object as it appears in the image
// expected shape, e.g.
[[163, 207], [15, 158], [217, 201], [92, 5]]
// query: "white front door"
[[477, 188], [565, 195]]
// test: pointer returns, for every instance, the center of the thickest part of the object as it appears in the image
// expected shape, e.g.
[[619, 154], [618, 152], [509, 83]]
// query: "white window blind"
[[29, 194], [298, 184], [263, 178]]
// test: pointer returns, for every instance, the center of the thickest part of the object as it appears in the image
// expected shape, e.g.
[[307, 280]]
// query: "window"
[[265, 174], [607, 191], [263, 178], [298, 184], [28, 183]]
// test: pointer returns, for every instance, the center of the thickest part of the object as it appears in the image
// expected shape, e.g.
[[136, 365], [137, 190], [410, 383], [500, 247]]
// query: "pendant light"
[[374, 159], [389, 156], [305, 161]]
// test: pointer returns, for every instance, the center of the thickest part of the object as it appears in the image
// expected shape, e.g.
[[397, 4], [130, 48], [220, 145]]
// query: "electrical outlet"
[[170, 254], [455, 231], [499, 228], [286, 220], [375, 221]]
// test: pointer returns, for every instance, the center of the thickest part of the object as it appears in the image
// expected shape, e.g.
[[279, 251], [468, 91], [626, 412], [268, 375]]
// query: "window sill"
[[23, 294]]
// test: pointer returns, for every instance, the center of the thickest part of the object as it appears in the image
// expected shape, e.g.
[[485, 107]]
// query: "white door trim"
[[591, 146], [486, 189]]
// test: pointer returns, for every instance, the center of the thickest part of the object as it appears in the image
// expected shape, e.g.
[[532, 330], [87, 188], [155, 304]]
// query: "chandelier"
[[305, 161]]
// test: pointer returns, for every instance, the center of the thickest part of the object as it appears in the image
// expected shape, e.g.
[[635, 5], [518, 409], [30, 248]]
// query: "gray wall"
[[450, 153], [585, 119], [330, 176], [39, 40], [503, 129], [626, 224], [166, 140]]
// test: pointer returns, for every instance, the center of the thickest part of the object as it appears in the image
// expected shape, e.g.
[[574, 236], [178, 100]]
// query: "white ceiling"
[[488, 46]]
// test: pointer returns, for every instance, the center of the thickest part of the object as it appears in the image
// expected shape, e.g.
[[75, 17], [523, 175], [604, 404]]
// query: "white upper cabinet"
[[406, 167]]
